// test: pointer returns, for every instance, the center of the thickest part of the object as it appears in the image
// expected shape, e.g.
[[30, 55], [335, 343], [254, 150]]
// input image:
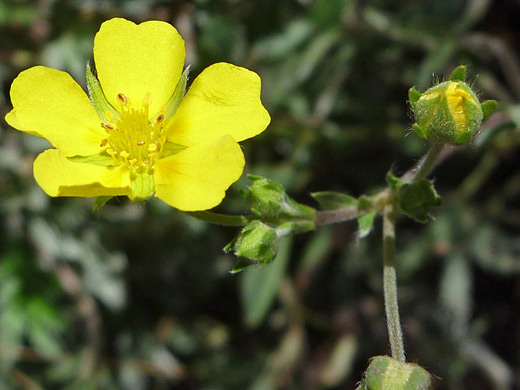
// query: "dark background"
[[139, 296]]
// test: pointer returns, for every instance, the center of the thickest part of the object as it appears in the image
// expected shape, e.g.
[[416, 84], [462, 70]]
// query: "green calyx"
[[449, 112], [386, 373]]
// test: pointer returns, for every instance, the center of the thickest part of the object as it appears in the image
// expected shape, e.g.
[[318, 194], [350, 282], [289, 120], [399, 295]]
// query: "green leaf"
[[329, 200], [458, 74], [175, 100], [417, 199], [98, 98], [365, 223], [259, 288]]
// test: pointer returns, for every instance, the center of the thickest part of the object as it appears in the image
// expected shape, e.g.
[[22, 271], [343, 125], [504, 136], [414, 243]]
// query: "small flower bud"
[[450, 112], [385, 373], [257, 242], [269, 199], [266, 196]]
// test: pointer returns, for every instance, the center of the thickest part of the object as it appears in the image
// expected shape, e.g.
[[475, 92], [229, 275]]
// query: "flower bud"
[[450, 112], [385, 373], [266, 196], [257, 242], [269, 199]]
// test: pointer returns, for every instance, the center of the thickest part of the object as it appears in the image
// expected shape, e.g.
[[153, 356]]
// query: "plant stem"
[[390, 285], [427, 163]]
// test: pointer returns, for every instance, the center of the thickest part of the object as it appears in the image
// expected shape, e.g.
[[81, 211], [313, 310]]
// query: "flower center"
[[133, 139]]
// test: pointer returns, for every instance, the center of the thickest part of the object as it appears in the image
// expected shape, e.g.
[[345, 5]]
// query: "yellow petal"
[[223, 99], [50, 104], [136, 59], [58, 176], [198, 177]]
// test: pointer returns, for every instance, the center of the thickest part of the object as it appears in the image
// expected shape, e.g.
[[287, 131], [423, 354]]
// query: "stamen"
[[147, 100], [108, 126], [133, 139], [122, 99]]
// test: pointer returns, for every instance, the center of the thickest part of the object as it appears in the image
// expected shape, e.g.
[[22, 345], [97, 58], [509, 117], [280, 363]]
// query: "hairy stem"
[[390, 285], [427, 163]]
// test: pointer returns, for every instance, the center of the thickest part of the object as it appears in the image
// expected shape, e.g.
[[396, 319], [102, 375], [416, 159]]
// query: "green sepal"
[[458, 74], [329, 200], [413, 96], [393, 181], [143, 187], [488, 107], [241, 264], [175, 100], [100, 201], [418, 199], [96, 159], [97, 96], [365, 223], [419, 130], [171, 148], [386, 373], [257, 242]]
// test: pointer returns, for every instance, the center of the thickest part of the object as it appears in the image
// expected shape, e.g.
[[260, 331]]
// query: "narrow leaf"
[[365, 223], [334, 200]]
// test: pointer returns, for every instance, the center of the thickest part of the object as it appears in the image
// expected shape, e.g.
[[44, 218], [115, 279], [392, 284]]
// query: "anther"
[[103, 143], [122, 99], [107, 126], [140, 143], [159, 119], [152, 148]]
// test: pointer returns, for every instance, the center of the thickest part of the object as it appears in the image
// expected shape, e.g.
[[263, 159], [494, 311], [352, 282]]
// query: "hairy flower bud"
[[386, 373], [450, 112]]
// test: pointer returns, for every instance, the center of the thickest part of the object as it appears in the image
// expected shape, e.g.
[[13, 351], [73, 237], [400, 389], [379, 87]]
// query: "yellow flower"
[[134, 138]]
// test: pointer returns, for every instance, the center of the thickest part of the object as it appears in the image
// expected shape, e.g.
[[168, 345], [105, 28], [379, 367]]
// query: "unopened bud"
[[450, 112], [386, 373]]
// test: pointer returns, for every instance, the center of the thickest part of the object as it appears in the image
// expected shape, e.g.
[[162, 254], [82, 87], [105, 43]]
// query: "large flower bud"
[[450, 112]]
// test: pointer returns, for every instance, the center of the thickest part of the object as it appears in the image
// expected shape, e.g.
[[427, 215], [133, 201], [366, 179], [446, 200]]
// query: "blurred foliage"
[[140, 296]]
